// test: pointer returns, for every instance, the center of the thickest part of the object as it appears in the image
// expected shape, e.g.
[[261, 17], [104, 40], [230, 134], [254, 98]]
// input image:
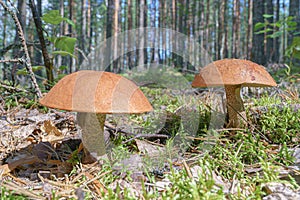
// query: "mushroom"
[[93, 94], [234, 74]]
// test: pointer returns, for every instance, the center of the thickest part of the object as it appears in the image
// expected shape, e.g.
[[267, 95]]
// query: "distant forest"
[[61, 34]]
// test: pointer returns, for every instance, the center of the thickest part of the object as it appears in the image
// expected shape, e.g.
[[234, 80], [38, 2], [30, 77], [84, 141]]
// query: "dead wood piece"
[[7, 168]]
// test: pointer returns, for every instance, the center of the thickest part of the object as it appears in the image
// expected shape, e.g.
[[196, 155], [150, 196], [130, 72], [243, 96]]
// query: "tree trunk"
[[88, 26], [258, 39], [39, 28], [141, 59], [294, 12], [236, 29], [249, 29], [109, 28], [83, 36], [129, 39], [207, 27], [276, 56], [269, 49], [115, 38]]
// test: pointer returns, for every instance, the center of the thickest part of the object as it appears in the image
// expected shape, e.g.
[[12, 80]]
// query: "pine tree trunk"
[[258, 39], [249, 35]]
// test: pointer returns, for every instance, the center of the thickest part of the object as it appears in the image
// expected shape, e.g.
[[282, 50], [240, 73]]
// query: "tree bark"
[[294, 12], [236, 29], [39, 28], [109, 28], [269, 48], [249, 34], [258, 39], [115, 38]]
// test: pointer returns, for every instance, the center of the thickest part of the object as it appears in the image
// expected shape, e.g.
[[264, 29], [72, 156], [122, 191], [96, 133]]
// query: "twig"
[[27, 57], [11, 61], [146, 136], [20, 190], [12, 88], [187, 169], [82, 53], [135, 136]]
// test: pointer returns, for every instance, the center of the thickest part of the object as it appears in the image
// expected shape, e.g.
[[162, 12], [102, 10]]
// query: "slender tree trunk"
[[146, 40], [4, 39], [174, 27], [180, 5], [129, 27], [216, 12], [141, 35], [62, 25], [269, 49], [88, 26], [294, 11], [70, 28], [207, 26], [115, 38], [39, 28], [276, 57], [154, 37], [284, 34], [249, 29], [236, 29], [83, 36], [225, 51], [109, 28], [258, 39], [39, 7], [222, 30]]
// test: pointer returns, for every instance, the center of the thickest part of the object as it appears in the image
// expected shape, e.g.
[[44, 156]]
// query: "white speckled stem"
[[235, 107], [92, 125]]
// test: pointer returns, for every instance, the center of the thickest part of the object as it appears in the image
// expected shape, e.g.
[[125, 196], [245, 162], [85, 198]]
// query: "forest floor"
[[41, 152]]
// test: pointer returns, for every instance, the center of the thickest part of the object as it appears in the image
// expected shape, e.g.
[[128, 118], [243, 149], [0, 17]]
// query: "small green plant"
[[285, 155], [61, 45], [184, 187], [10, 195], [286, 25]]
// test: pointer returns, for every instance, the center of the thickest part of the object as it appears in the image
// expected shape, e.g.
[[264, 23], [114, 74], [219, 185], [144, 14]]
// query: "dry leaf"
[[50, 128]]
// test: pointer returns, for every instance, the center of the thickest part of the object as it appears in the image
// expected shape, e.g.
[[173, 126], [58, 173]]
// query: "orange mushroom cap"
[[97, 92], [233, 72]]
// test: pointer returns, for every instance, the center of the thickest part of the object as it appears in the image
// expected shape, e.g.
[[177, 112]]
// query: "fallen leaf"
[[50, 128]]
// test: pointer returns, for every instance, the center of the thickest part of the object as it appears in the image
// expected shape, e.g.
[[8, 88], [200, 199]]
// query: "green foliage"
[[10, 195], [285, 155], [65, 44], [279, 122], [275, 29], [62, 45], [294, 49], [287, 25], [184, 187], [53, 17], [23, 71]]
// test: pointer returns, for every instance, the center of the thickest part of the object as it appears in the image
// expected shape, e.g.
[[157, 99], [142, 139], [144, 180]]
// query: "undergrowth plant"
[[280, 122]]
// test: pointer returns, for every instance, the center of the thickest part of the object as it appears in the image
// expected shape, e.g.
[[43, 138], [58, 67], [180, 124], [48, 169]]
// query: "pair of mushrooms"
[[93, 94]]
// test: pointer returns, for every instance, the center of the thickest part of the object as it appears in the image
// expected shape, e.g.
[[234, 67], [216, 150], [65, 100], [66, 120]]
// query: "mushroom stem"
[[93, 140], [235, 107]]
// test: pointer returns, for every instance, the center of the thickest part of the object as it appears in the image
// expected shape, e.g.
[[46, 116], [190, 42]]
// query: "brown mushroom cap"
[[97, 92], [233, 72]]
